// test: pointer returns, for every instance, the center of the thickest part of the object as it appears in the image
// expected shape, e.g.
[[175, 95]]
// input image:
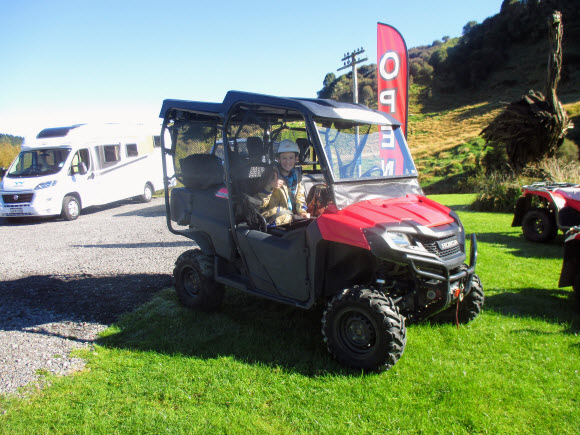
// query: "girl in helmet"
[[284, 194]]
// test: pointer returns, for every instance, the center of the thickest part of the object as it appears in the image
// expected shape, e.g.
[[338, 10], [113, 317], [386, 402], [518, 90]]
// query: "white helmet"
[[288, 146]]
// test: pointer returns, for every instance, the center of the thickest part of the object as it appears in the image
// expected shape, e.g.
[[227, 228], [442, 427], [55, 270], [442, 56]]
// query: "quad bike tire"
[[539, 225], [469, 308], [363, 329], [195, 283]]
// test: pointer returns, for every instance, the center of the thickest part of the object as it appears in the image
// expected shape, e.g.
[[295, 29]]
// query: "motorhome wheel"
[[71, 208], [147, 193]]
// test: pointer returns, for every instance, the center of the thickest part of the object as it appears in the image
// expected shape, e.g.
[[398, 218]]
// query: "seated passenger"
[[284, 192]]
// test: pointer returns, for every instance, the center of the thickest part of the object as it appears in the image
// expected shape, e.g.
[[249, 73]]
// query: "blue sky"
[[66, 62]]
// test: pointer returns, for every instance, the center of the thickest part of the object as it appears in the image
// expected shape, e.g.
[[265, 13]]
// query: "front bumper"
[[28, 204], [424, 267]]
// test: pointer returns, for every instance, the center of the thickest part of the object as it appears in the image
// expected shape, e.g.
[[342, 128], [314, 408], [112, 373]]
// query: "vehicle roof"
[[79, 135], [310, 106]]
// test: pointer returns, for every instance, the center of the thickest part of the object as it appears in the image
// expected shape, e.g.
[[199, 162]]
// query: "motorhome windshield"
[[38, 162], [357, 150]]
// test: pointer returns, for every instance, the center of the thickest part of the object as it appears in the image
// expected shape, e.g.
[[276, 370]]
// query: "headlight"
[[45, 185], [399, 239]]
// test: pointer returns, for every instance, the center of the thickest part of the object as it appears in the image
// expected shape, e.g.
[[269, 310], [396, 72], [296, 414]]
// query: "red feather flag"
[[393, 92]]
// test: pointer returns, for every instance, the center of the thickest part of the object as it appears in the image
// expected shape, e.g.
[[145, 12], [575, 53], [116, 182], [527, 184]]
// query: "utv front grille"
[[433, 248], [19, 198]]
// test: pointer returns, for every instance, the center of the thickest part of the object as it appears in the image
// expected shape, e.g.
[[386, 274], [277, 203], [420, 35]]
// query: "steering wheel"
[[371, 170]]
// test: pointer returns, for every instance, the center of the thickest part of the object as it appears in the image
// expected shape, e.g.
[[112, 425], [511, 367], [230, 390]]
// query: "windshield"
[[38, 162], [356, 150]]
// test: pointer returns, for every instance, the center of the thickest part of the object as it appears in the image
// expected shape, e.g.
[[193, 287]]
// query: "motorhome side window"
[[111, 154], [80, 157], [132, 150]]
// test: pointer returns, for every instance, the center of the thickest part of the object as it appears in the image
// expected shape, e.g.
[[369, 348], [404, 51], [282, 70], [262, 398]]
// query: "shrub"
[[454, 168], [7, 154], [554, 169], [568, 151], [497, 193]]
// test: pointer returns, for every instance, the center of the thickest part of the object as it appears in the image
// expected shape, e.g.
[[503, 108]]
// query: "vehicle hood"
[[22, 184], [415, 213]]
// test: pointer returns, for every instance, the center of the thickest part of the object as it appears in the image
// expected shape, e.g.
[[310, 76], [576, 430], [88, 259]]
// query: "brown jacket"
[[276, 201]]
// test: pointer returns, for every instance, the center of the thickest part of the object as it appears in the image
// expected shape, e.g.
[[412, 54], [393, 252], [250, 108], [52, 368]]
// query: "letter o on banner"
[[389, 75]]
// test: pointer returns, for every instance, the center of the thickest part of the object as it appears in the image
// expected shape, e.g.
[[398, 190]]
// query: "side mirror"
[[82, 167], [3, 171]]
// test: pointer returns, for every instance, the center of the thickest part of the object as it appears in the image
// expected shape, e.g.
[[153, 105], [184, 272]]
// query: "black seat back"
[[201, 171]]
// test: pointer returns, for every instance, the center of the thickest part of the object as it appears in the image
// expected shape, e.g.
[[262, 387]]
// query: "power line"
[[350, 60]]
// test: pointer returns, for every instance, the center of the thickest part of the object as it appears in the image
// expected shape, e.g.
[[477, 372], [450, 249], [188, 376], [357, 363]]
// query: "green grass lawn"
[[259, 367]]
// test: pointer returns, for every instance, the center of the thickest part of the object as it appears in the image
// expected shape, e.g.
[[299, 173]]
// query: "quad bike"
[[544, 208], [374, 253], [570, 275]]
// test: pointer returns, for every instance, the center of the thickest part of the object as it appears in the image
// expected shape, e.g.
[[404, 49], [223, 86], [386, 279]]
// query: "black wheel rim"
[[538, 226], [356, 332], [190, 281]]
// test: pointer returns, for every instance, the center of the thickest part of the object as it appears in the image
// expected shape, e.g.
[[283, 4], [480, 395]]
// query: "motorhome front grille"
[[17, 198], [433, 248]]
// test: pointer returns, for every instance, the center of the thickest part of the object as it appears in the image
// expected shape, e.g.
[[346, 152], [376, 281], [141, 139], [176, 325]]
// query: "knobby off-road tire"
[[472, 304], [194, 281], [539, 225], [71, 208], [363, 329], [469, 308]]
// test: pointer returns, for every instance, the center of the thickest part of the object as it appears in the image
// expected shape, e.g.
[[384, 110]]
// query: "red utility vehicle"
[[544, 208], [375, 252], [570, 275]]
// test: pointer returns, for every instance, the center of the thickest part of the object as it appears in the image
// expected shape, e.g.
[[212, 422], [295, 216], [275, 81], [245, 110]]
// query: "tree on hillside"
[[469, 27], [535, 125]]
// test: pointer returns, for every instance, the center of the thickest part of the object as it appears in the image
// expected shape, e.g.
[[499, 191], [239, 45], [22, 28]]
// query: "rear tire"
[[363, 329], [147, 193], [71, 208], [539, 225], [194, 281]]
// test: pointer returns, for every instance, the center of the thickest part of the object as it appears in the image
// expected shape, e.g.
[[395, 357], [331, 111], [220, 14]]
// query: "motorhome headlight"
[[399, 239], [45, 185]]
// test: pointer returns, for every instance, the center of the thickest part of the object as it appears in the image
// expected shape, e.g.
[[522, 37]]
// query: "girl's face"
[[287, 162]]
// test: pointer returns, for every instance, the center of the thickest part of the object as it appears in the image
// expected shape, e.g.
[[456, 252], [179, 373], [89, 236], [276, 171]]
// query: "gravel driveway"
[[61, 283]]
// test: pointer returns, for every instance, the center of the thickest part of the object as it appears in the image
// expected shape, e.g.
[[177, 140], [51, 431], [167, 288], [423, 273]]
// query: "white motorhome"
[[63, 170]]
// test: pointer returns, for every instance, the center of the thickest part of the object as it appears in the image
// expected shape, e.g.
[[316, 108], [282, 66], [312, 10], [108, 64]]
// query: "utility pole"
[[350, 60]]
